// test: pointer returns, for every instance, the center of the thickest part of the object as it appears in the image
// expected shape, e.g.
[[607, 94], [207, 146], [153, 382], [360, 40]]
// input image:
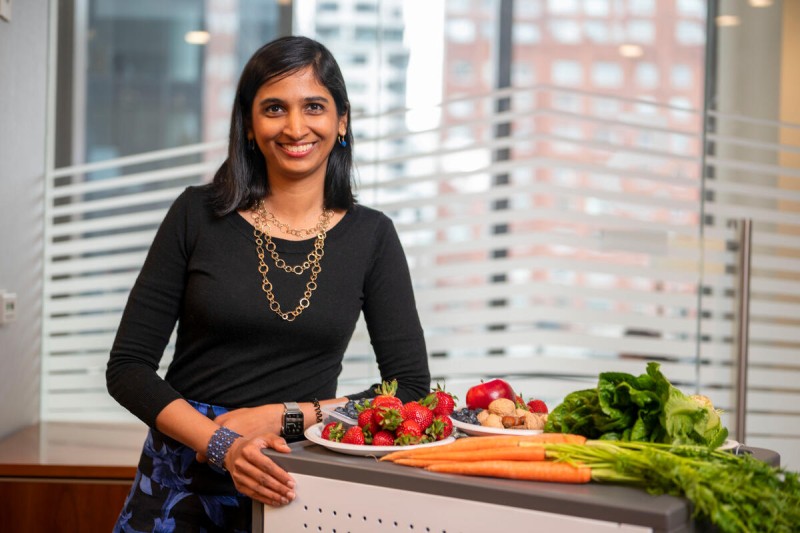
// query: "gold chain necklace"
[[262, 219]]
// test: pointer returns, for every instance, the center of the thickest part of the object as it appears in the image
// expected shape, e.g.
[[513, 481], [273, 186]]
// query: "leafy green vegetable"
[[736, 493], [645, 408]]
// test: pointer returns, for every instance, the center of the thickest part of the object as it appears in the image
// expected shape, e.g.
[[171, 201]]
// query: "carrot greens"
[[736, 493]]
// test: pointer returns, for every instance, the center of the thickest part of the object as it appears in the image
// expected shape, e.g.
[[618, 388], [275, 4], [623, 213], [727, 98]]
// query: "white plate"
[[479, 431], [729, 445], [314, 434]]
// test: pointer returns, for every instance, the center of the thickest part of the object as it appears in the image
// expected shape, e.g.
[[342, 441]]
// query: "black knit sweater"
[[231, 349]]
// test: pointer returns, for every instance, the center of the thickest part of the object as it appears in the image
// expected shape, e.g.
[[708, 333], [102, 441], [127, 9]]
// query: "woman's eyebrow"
[[308, 100]]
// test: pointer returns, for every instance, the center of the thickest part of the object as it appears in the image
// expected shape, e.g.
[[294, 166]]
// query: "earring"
[[342, 142], [251, 144]]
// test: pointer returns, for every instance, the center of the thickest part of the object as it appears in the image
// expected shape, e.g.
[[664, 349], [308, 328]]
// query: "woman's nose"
[[296, 126]]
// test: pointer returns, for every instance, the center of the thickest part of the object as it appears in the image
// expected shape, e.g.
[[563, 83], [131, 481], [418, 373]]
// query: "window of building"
[[641, 31], [596, 8], [562, 7], [642, 7], [566, 31], [363, 34], [596, 31], [460, 30], [567, 72], [363, 7], [646, 75], [682, 77], [690, 33], [526, 33], [606, 74]]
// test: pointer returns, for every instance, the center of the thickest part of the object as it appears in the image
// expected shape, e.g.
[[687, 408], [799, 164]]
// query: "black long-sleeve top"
[[231, 349]]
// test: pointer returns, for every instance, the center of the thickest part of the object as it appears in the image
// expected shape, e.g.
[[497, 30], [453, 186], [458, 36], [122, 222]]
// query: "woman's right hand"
[[256, 475]]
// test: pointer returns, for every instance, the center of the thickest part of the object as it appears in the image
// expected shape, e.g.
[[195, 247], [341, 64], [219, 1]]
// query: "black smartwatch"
[[292, 425]]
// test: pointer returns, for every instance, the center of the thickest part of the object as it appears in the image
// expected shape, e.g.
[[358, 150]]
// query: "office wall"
[[23, 90]]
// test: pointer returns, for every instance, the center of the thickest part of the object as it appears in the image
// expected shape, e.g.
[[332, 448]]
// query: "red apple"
[[480, 396]]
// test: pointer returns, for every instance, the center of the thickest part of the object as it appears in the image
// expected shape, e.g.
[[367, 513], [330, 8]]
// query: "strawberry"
[[333, 431], [385, 418], [440, 428], [386, 397], [353, 435], [537, 406], [445, 402], [366, 421], [408, 432], [383, 438], [419, 413]]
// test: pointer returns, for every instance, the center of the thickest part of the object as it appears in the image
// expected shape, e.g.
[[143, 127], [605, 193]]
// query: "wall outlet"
[[8, 305], [5, 10]]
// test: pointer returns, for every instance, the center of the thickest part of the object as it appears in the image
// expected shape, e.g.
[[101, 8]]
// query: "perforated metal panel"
[[332, 506]]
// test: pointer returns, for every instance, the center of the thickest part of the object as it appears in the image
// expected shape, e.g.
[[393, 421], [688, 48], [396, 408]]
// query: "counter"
[[60, 476], [343, 493]]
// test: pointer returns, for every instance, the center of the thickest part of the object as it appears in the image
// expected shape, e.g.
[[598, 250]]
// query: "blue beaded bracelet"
[[218, 447]]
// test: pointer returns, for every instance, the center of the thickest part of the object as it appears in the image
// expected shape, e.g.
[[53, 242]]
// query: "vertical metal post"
[[745, 227]]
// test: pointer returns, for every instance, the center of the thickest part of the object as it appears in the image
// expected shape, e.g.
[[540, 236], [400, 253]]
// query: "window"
[[366, 8], [682, 76], [566, 31], [562, 7], [647, 75], [642, 7], [525, 33], [596, 31], [690, 33], [567, 72], [366, 34], [596, 8], [606, 74], [641, 31], [461, 30]]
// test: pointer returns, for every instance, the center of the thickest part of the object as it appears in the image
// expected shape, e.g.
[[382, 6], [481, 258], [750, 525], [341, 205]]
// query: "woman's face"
[[295, 125]]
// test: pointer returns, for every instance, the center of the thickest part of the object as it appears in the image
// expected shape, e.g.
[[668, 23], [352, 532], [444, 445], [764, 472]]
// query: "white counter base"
[[333, 506]]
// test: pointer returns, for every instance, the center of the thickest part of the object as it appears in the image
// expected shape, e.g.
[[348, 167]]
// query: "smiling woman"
[[236, 264]]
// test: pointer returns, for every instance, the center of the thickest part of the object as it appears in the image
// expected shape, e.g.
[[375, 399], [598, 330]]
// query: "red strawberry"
[[408, 432], [386, 418], [386, 397], [441, 428], [445, 402], [353, 435], [537, 406], [366, 421], [333, 431], [419, 413], [383, 438]]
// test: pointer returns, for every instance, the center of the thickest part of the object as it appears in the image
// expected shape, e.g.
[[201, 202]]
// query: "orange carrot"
[[527, 470], [555, 438], [420, 463], [488, 443], [505, 453]]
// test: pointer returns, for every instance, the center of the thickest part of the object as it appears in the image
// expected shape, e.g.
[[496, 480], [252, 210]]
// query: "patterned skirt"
[[172, 492]]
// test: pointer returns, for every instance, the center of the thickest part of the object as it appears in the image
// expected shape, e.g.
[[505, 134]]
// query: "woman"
[[266, 271]]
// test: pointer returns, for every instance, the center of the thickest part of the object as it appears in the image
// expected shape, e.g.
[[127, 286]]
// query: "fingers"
[[256, 475]]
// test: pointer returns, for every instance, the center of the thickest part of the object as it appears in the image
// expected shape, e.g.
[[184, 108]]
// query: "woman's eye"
[[272, 109], [316, 107]]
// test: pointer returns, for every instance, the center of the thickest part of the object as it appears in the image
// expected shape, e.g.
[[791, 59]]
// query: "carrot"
[[506, 453], [488, 443], [420, 463], [528, 470], [471, 443], [556, 438]]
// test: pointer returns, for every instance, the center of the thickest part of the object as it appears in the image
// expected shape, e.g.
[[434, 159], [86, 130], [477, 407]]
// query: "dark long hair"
[[241, 180]]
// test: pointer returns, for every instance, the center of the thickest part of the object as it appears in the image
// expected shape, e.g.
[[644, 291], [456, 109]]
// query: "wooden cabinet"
[[67, 477]]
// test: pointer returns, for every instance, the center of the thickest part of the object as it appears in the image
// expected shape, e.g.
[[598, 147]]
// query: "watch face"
[[293, 424]]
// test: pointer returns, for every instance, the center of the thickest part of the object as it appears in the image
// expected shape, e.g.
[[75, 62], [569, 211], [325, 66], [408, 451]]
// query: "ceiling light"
[[728, 20], [630, 50], [197, 37], [760, 3]]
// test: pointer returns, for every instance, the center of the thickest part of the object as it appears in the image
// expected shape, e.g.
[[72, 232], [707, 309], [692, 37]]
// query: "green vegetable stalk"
[[647, 408], [735, 493]]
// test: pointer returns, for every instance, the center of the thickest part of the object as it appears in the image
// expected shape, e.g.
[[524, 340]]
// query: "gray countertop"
[[593, 501]]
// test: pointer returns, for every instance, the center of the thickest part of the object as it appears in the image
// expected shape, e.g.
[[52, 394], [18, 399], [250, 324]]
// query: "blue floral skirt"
[[172, 492]]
